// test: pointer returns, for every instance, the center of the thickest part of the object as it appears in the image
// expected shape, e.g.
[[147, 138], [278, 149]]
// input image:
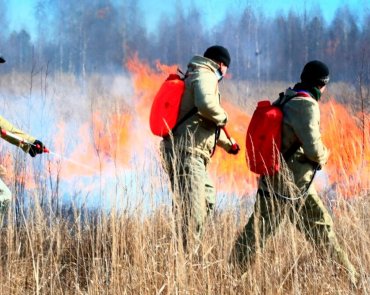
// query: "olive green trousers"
[[193, 193], [308, 214]]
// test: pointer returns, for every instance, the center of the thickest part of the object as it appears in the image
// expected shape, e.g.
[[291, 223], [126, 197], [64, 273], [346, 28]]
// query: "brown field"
[[79, 252]]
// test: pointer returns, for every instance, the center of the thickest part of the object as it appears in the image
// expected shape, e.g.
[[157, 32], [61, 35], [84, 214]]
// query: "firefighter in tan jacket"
[[26, 142], [187, 152], [291, 189]]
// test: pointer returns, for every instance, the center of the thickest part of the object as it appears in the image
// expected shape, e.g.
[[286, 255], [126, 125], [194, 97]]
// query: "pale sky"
[[214, 11]]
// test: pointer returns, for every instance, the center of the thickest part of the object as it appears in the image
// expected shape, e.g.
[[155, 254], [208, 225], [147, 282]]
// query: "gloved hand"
[[36, 148], [234, 150]]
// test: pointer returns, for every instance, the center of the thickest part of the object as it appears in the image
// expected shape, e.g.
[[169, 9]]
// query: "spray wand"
[[5, 133], [234, 146]]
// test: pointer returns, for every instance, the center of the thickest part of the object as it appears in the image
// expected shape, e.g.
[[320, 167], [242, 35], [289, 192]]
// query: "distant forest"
[[97, 36]]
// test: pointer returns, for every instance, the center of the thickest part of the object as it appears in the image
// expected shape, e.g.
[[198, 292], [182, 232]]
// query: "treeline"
[[89, 36]]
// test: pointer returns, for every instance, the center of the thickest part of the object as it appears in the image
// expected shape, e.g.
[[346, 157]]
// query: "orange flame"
[[146, 82], [232, 171], [348, 167]]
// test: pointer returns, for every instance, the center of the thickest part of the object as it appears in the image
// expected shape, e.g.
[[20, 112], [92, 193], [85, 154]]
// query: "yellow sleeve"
[[22, 139]]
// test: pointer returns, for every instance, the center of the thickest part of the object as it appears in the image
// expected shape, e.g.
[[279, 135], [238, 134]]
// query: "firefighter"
[[188, 151], [33, 149], [290, 192]]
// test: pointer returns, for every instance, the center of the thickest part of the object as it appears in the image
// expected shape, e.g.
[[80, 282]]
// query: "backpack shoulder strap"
[[281, 101], [182, 73], [192, 112]]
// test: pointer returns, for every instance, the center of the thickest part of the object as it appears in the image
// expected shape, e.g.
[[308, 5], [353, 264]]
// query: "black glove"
[[36, 148], [234, 149]]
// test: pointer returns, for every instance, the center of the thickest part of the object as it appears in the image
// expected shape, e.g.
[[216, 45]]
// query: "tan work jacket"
[[197, 134], [301, 123]]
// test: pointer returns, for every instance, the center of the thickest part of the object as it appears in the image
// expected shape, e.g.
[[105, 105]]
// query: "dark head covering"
[[2, 60], [315, 73], [219, 54]]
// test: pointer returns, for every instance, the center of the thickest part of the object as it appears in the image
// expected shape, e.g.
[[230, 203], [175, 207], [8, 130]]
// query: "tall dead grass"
[[83, 251]]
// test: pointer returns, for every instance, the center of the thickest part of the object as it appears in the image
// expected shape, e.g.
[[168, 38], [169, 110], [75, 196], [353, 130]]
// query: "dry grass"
[[97, 252]]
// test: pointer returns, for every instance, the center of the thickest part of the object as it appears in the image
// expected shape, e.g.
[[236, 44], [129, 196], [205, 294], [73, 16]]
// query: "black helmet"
[[2, 60], [315, 73], [218, 53]]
